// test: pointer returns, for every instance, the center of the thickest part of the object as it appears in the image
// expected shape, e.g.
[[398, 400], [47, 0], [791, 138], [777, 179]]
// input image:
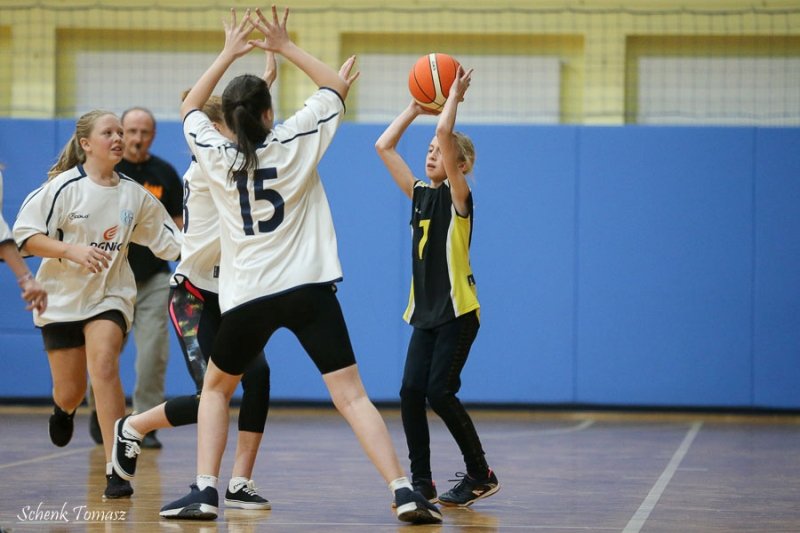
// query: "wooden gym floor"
[[560, 472]]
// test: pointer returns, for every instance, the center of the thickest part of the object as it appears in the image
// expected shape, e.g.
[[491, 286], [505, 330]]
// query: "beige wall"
[[598, 42]]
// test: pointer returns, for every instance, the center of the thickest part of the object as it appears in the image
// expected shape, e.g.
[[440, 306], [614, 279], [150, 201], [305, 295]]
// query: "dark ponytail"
[[244, 102]]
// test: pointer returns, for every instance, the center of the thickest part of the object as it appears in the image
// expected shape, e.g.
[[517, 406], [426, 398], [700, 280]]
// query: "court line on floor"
[[555, 431], [643, 512], [46, 457]]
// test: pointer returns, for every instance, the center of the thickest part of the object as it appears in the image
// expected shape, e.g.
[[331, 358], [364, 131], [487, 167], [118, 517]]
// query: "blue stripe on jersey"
[[31, 197], [194, 136], [55, 197], [334, 91], [321, 121], [189, 113]]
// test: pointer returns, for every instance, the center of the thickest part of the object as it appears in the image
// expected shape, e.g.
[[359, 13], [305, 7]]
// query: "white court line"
[[556, 431], [46, 457], [643, 512]]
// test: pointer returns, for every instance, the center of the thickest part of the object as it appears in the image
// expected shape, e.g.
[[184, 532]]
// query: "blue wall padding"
[[635, 266]]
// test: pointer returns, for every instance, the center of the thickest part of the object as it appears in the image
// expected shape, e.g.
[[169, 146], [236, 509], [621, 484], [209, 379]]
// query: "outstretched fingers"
[[274, 31], [461, 83], [237, 34], [345, 71]]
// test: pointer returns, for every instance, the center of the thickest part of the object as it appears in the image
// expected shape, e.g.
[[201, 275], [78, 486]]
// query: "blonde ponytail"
[[466, 151], [71, 155]]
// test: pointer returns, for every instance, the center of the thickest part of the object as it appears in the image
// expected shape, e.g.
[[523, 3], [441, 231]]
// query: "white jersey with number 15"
[[276, 229]]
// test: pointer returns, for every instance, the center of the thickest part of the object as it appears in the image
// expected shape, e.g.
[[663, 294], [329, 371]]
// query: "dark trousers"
[[196, 317], [433, 373]]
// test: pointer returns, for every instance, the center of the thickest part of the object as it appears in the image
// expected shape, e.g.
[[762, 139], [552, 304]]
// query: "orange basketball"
[[431, 78]]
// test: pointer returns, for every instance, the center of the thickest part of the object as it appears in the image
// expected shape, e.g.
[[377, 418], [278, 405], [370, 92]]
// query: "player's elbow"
[[381, 147], [443, 133]]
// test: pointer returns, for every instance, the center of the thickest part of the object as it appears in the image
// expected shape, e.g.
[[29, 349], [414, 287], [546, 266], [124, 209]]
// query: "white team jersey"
[[276, 229], [5, 232], [74, 209], [200, 251]]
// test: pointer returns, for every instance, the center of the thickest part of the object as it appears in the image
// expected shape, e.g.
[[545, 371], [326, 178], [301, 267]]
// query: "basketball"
[[431, 78]]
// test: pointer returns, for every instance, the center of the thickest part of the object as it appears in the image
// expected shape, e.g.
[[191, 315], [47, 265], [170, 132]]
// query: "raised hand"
[[275, 33], [271, 70], [237, 35], [461, 83], [346, 68]]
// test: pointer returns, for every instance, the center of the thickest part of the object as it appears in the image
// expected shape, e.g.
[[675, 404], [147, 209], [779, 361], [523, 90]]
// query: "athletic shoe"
[[197, 505], [116, 487], [413, 507], [151, 442], [246, 497], [426, 487], [469, 490], [125, 451], [94, 428], [61, 426]]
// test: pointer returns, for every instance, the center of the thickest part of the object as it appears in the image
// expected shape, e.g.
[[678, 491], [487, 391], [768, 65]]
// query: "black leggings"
[[312, 313], [195, 316], [433, 371]]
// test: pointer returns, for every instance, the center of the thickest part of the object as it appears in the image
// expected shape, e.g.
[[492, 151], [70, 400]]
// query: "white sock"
[[400, 483], [128, 431], [204, 481], [236, 483], [109, 468]]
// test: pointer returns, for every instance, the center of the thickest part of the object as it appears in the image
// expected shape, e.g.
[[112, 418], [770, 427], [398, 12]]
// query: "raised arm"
[[453, 165], [276, 38], [271, 69], [236, 45], [386, 146]]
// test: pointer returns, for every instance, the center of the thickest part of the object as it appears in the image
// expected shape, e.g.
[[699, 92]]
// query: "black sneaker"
[[413, 507], [94, 428], [125, 451], [426, 487], [246, 497], [469, 490], [116, 487], [150, 441], [197, 505], [61, 426]]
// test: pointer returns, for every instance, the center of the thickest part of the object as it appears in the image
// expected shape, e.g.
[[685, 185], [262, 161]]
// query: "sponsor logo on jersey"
[[74, 216], [110, 233], [126, 217], [108, 243]]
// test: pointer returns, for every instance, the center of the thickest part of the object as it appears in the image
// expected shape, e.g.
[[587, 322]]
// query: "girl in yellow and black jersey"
[[443, 305]]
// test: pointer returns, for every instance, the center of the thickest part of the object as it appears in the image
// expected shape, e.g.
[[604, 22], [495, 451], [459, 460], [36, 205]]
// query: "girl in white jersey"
[[81, 222], [443, 305], [195, 316], [279, 257], [32, 292]]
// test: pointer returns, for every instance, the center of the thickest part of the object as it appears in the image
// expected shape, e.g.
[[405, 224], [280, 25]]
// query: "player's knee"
[[69, 395], [441, 400], [410, 393]]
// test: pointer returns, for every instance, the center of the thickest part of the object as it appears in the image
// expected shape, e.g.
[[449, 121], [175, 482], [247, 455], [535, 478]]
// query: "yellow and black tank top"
[[442, 284]]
